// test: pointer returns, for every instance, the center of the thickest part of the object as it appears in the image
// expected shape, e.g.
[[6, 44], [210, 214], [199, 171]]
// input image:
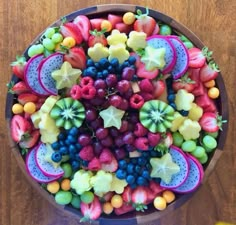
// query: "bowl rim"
[[133, 217]]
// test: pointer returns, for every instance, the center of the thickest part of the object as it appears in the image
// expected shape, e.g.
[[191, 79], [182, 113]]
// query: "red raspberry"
[[146, 85], [105, 156], [86, 81], [141, 143], [94, 164], [88, 92], [154, 138], [136, 101], [140, 130], [86, 153], [75, 92]]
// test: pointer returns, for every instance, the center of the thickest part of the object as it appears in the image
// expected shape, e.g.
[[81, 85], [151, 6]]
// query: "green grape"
[[177, 139], [203, 159], [39, 48], [48, 44], [209, 142], [213, 134], [189, 146], [87, 197], [199, 152], [49, 32], [75, 202], [32, 51], [165, 30], [188, 44], [67, 170], [57, 38], [63, 197]]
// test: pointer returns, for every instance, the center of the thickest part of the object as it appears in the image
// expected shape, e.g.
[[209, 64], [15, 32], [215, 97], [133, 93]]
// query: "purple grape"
[[114, 132], [120, 153], [130, 148], [91, 114], [99, 83], [119, 141], [97, 146], [84, 139], [97, 101], [128, 138], [111, 80], [101, 133], [124, 105], [101, 93], [127, 95], [115, 100], [134, 118], [107, 141], [123, 86], [124, 126], [96, 123], [128, 73]]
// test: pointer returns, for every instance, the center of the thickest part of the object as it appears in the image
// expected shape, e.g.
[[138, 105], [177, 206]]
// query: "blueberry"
[[114, 62], [56, 156], [105, 73], [72, 156], [67, 142], [78, 146], [63, 150], [130, 179], [97, 65], [125, 64], [171, 98], [146, 174], [170, 91], [145, 154], [89, 63], [75, 165], [142, 161], [72, 149], [84, 163], [132, 60], [134, 161], [184, 112], [154, 153], [104, 63], [141, 181], [130, 168], [148, 166], [72, 139], [74, 131], [77, 157], [99, 75], [121, 174], [172, 104], [55, 145], [122, 164], [61, 136], [91, 71], [110, 69], [137, 169], [133, 186]]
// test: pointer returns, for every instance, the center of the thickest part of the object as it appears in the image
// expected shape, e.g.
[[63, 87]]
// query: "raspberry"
[[136, 101], [146, 86], [75, 92], [141, 143], [94, 164], [140, 130], [86, 153], [88, 92], [154, 138], [105, 156], [86, 81]]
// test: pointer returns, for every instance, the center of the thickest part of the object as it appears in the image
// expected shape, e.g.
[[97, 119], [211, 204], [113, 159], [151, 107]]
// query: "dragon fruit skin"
[[182, 61], [49, 64], [31, 75], [194, 178], [178, 157], [160, 41], [34, 171], [46, 167]]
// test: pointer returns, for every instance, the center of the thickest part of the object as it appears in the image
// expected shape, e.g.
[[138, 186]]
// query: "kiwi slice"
[[156, 116], [68, 113]]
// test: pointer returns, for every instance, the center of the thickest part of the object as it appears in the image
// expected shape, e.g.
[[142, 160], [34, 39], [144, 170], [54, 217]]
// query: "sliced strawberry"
[[110, 167], [156, 30], [20, 128], [143, 73], [91, 211], [206, 103], [159, 88], [209, 72], [139, 198], [96, 23], [150, 195], [114, 19], [30, 141], [146, 85], [27, 97], [97, 37], [196, 58], [76, 57], [71, 30], [155, 187], [126, 195], [84, 25], [124, 209], [168, 139], [107, 197], [106, 156], [123, 28], [18, 66], [185, 82], [18, 88]]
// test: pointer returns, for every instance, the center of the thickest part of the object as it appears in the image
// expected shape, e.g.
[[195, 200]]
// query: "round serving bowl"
[[151, 214]]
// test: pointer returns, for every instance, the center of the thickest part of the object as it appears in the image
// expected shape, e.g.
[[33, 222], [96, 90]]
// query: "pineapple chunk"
[[118, 51], [49, 103], [195, 113], [49, 137], [190, 129], [116, 38], [177, 122], [183, 100], [36, 118], [97, 52], [137, 40]]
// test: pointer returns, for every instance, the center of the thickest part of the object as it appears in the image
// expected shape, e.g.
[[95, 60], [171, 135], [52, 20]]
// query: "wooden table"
[[213, 21]]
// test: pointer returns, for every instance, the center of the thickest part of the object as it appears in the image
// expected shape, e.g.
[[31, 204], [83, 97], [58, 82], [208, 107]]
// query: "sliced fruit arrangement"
[[115, 113]]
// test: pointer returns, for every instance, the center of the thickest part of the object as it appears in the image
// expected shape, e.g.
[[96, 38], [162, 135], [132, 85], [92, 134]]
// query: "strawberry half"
[[18, 66], [83, 23], [27, 97], [114, 19], [110, 167], [30, 141], [159, 88], [71, 30], [126, 195], [97, 37], [139, 198], [76, 57], [96, 23], [20, 128], [209, 71], [18, 88], [185, 82]]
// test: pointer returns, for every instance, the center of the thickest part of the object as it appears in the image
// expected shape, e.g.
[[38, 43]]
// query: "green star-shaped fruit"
[[112, 117], [154, 58], [164, 167], [66, 76]]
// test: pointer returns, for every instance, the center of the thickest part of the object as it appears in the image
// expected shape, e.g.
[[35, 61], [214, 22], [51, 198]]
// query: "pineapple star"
[[112, 117], [66, 76], [164, 167]]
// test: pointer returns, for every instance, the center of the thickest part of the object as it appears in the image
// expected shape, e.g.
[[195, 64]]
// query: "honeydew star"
[[112, 117]]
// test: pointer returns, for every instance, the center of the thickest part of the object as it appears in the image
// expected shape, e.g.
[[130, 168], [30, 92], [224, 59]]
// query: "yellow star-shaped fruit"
[[97, 52], [164, 168], [66, 76], [118, 51], [112, 117], [154, 58]]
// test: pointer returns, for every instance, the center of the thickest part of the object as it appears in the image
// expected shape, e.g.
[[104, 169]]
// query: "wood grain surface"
[[214, 23]]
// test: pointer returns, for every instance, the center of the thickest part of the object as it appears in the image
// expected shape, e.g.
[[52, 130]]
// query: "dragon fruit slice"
[[194, 178], [31, 75], [51, 63], [46, 167], [158, 41], [179, 178], [34, 170], [182, 60]]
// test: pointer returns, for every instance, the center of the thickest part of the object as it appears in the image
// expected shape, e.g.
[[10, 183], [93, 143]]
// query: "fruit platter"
[[116, 113]]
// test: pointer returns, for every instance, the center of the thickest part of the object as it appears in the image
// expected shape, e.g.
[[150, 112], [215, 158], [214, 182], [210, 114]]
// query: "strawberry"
[[110, 167], [107, 197], [76, 57], [86, 153], [123, 209], [18, 66], [185, 82], [123, 28], [105, 156], [168, 139], [141, 143], [199, 90], [154, 138], [94, 164], [206, 103], [20, 128], [150, 195], [83, 23], [139, 198], [209, 71], [30, 141], [211, 122], [147, 96], [137, 57], [155, 187], [146, 85], [144, 23], [140, 130], [126, 195], [159, 88], [156, 30], [114, 19], [91, 211], [96, 23], [143, 73], [97, 37], [27, 97], [17, 88], [71, 30]]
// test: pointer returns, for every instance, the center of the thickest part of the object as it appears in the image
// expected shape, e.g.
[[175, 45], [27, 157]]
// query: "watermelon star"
[[66, 76], [112, 117], [164, 167]]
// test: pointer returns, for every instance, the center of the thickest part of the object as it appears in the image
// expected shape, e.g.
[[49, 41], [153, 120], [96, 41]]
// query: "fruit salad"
[[115, 114]]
